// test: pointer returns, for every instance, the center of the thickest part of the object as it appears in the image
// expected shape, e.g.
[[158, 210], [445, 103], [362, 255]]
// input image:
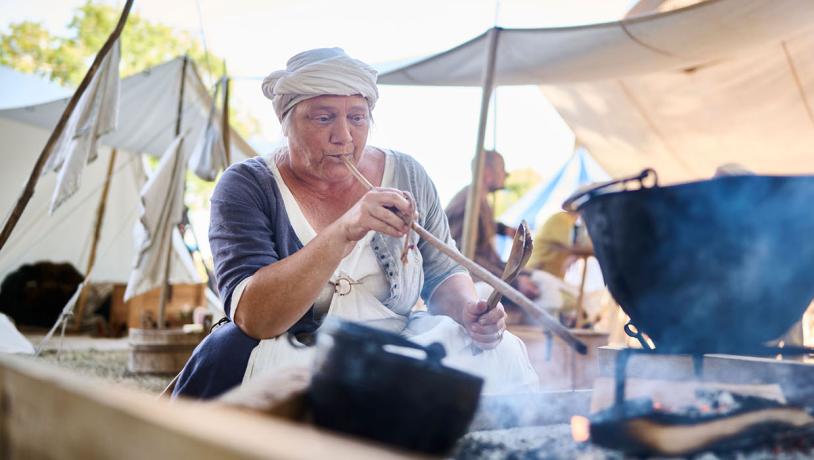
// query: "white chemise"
[[506, 368]]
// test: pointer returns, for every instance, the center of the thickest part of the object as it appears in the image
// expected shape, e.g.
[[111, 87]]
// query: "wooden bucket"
[[160, 351]]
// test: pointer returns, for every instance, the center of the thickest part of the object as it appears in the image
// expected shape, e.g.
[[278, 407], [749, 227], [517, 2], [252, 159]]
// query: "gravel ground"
[[109, 365]]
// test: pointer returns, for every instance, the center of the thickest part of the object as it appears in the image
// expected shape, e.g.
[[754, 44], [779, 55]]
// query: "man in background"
[[494, 179]]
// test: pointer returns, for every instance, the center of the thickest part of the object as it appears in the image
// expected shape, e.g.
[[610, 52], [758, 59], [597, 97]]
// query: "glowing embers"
[[580, 428]]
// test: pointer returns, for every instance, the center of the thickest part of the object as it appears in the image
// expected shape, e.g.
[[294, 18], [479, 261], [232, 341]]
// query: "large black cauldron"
[[720, 265]]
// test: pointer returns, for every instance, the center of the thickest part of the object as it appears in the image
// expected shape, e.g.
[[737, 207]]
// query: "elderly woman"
[[296, 238]]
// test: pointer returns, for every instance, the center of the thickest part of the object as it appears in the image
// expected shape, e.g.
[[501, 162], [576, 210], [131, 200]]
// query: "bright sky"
[[435, 125]]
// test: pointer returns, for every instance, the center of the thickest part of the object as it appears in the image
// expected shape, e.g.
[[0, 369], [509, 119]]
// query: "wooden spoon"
[[522, 245]]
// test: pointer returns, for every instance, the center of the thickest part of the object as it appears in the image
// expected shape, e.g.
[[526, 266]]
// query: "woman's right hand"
[[374, 211]]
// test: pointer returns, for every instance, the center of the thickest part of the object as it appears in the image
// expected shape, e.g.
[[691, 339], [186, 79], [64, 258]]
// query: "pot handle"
[[435, 351], [632, 331], [578, 198]]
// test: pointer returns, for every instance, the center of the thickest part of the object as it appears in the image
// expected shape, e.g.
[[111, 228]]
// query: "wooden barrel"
[[160, 351]]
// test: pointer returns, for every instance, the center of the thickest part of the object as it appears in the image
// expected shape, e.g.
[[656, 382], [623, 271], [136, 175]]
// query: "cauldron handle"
[[633, 331], [573, 202]]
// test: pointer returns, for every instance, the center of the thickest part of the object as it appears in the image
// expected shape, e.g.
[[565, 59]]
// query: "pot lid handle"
[[435, 351]]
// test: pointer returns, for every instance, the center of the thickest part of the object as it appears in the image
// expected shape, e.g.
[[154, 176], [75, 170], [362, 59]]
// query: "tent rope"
[[203, 39], [639, 42], [798, 82]]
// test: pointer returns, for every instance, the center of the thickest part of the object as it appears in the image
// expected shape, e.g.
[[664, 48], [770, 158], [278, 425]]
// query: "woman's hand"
[[486, 329], [374, 211]]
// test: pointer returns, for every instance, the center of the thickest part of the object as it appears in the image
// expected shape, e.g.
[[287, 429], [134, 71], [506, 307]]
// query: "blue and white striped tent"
[[546, 198]]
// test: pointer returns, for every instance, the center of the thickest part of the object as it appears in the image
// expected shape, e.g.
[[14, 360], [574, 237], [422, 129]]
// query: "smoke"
[[530, 409]]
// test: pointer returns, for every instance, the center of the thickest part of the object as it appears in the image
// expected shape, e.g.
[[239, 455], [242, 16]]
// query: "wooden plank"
[[50, 413]]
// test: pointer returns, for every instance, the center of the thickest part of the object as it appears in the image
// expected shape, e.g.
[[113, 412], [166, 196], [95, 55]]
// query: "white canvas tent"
[[149, 107], [682, 91]]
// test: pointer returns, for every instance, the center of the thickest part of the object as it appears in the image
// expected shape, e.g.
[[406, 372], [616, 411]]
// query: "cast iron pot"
[[365, 387], [720, 265]]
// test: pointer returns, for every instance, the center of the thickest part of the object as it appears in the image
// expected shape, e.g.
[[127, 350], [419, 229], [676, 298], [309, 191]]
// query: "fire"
[[657, 405], [580, 428]]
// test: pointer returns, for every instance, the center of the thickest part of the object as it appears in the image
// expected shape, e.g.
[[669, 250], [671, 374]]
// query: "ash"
[[555, 442], [540, 442]]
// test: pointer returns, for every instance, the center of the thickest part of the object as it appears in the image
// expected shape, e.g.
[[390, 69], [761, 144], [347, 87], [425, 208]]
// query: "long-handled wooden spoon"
[[535, 312]]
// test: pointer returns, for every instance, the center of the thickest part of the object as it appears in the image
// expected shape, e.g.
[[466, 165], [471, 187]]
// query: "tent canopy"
[[682, 91], [674, 40], [21, 89]]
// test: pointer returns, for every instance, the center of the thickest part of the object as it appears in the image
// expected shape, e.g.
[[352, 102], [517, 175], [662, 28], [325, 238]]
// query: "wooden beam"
[[165, 286], [50, 413], [226, 127], [31, 185], [97, 232], [470, 230]]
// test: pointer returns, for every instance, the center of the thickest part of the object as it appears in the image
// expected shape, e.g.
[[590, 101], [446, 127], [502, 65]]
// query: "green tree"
[[29, 47], [519, 182]]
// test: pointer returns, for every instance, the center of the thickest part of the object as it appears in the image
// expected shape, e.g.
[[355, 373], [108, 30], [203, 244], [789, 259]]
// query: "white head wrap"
[[319, 72]]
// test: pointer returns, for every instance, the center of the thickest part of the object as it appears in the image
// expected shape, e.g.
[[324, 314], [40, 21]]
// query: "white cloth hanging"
[[156, 232], [209, 154], [95, 114]]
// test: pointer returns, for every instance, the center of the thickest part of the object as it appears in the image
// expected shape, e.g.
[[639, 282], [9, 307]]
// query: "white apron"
[[363, 286]]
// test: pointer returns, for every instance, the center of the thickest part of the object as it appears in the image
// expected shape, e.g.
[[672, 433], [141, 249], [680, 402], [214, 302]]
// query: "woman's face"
[[323, 129]]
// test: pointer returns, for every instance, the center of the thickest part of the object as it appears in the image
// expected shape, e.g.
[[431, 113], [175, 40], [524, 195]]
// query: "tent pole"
[[97, 231], [475, 189], [227, 148], [28, 191], [165, 287]]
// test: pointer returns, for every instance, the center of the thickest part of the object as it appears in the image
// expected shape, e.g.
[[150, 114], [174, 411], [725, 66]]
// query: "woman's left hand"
[[486, 329]]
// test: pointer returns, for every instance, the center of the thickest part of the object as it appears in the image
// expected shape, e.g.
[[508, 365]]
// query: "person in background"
[[494, 179], [550, 241], [558, 243]]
